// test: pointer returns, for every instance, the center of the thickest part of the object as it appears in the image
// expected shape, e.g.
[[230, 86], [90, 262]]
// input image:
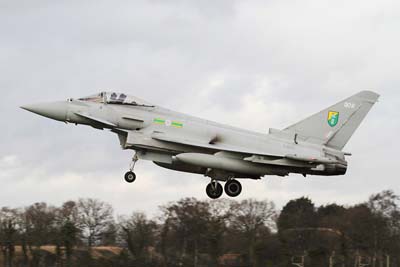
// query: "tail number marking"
[[349, 105]]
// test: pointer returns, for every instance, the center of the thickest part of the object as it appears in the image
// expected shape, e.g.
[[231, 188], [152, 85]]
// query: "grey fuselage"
[[185, 143]]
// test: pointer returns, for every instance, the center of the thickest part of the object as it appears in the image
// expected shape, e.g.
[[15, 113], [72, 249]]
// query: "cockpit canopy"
[[116, 98]]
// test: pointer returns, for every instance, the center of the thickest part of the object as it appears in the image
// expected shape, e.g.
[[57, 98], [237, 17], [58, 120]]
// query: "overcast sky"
[[252, 64]]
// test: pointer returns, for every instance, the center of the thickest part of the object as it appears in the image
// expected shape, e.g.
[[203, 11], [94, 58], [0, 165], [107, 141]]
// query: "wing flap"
[[292, 160], [308, 159], [276, 161]]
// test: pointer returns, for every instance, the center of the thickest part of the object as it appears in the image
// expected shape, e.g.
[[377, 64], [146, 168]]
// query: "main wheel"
[[214, 190], [130, 177], [233, 188]]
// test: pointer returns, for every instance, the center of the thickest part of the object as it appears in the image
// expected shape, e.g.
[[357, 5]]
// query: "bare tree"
[[251, 218], [138, 233], [187, 222], [68, 230], [8, 234], [385, 229], [69, 212], [95, 218], [39, 229], [387, 205], [217, 226]]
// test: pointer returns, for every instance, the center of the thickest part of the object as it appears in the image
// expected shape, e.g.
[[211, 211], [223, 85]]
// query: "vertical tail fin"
[[335, 125]]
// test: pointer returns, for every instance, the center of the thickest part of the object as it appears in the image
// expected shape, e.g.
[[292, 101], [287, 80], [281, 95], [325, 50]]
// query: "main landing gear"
[[130, 176], [214, 190], [232, 188]]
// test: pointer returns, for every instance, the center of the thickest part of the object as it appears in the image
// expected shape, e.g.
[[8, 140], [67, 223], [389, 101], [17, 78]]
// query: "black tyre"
[[214, 190], [233, 188], [130, 177]]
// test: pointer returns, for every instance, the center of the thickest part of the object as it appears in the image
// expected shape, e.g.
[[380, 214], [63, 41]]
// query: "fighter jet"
[[180, 142]]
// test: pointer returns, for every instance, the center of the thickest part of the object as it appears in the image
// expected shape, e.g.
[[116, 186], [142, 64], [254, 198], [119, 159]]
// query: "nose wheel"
[[130, 176]]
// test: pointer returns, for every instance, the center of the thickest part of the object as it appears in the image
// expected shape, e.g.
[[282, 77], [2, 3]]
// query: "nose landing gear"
[[130, 176]]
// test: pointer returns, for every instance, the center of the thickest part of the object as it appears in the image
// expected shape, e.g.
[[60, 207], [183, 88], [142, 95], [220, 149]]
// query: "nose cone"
[[53, 110]]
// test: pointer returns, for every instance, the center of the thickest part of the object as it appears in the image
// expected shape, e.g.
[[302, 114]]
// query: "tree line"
[[195, 233]]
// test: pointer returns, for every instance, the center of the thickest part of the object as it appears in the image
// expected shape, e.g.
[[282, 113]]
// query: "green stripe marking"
[[177, 124], [159, 121]]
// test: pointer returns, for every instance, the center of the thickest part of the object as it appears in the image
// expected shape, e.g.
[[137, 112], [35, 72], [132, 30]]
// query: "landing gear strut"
[[130, 176], [214, 190]]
